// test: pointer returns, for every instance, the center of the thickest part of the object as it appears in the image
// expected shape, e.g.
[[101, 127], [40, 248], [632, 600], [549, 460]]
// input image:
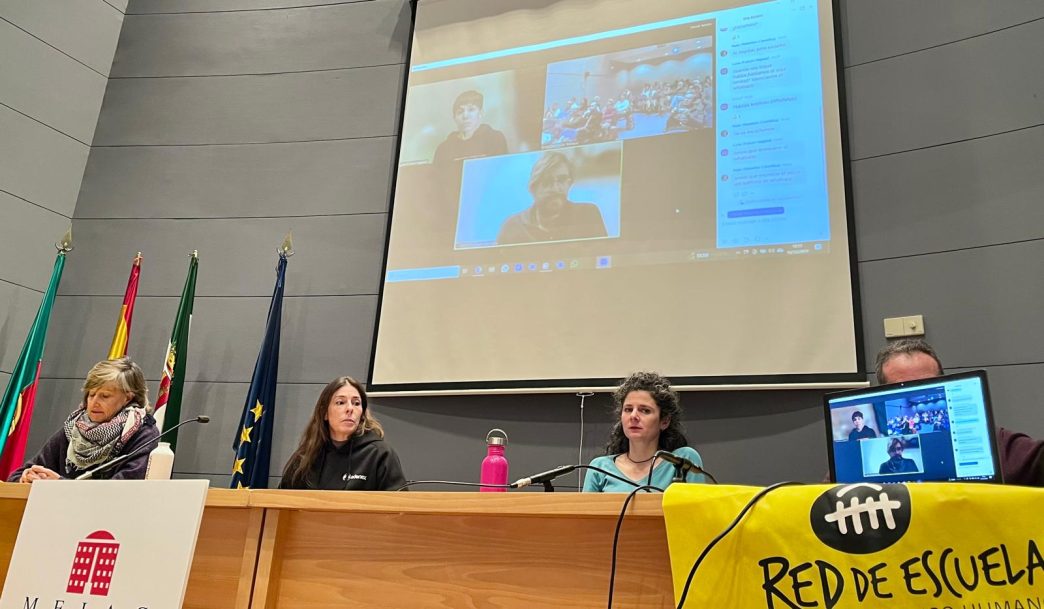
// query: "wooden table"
[[266, 549]]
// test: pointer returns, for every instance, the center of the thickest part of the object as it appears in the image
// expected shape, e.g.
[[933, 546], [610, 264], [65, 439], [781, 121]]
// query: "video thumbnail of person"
[[541, 197], [892, 455], [633, 93], [853, 423], [464, 118]]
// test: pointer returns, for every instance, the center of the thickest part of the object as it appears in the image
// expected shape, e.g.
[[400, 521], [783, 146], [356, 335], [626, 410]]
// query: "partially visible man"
[[861, 431], [552, 217], [473, 138], [911, 359]]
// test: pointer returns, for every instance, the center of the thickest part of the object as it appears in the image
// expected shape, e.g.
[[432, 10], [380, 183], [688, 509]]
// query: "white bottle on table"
[[161, 463]]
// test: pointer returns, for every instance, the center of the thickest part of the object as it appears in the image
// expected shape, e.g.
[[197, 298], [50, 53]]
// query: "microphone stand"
[[87, 475], [679, 473]]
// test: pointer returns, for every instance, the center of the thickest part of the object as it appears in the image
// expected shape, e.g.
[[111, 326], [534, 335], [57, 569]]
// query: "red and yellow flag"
[[123, 326]]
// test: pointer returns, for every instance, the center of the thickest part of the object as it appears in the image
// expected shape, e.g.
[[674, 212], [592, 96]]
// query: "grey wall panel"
[[360, 102], [544, 432], [253, 42], [146, 7], [27, 235], [40, 164], [981, 307], [321, 337], [443, 438], [973, 88], [886, 28], [119, 5], [47, 85], [85, 29], [725, 427], [18, 307], [969, 194], [335, 255], [83, 327], [209, 449], [252, 180]]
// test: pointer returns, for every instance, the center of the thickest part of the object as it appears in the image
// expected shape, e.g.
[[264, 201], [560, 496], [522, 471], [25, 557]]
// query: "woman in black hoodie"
[[343, 447]]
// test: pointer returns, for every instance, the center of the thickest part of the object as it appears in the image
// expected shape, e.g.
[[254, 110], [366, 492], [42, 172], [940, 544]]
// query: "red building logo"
[[94, 562]]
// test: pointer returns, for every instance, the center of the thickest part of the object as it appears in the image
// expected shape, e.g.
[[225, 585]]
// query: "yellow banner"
[[922, 546]]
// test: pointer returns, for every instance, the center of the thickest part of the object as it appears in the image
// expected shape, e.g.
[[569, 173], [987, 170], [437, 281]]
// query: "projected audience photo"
[[921, 412], [460, 119], [641, 92], [854, 423], [892, 455], [539, 197]]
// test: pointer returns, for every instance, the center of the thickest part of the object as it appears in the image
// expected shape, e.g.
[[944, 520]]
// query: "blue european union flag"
[[253, 443]]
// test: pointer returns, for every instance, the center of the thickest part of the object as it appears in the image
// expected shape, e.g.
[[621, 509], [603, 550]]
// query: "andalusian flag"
[[253, 442], [122, 335], [168, 401], [16, 409]]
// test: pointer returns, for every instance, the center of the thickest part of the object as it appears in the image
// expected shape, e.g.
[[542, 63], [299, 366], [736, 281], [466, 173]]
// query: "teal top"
[[663, 473]]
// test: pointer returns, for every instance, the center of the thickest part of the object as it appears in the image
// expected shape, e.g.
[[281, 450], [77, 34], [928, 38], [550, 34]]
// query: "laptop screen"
[[938, 429]]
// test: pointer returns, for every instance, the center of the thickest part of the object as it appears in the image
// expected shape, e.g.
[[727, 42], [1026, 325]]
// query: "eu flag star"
[[257, 410], [237, 467], [245, 435]]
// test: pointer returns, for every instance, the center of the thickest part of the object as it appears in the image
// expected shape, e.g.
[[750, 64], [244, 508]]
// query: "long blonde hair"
[[317, 433]]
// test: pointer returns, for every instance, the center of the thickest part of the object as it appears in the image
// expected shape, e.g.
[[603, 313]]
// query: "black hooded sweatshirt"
[[363, 463]]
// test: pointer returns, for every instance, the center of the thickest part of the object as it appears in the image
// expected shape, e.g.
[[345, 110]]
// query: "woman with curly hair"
[[648, 419]]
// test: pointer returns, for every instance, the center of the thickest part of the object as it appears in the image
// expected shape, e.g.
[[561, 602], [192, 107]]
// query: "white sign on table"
[[101, 544]]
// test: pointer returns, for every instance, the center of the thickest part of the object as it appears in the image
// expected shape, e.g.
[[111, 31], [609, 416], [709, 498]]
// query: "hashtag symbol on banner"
[[883, 506]]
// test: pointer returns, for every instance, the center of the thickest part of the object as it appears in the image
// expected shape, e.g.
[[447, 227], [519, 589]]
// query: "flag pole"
[[16, 406], [253, 441]]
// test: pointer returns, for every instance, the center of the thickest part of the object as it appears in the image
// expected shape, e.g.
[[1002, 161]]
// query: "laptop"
[[931, 430]]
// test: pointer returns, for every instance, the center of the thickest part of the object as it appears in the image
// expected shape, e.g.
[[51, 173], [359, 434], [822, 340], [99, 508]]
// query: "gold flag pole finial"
[[195, 254], [66, 244], [287, 248], [138, 259]]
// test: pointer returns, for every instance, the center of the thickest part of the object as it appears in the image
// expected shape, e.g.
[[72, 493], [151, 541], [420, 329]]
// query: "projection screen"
[[585, 188]]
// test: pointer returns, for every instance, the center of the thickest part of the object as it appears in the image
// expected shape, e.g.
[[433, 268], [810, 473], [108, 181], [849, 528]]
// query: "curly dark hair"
[[665, 397]]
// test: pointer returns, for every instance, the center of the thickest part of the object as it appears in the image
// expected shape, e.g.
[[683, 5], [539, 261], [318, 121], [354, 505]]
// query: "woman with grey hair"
[[112, 420], [648, 419]]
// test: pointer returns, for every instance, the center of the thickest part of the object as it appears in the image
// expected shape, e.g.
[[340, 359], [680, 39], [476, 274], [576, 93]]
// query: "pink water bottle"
[[495, 465]]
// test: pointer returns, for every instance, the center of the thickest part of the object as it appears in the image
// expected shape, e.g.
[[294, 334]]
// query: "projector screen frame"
[[816, 381]]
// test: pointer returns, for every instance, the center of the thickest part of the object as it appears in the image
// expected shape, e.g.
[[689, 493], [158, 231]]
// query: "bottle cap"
[[492, 439]]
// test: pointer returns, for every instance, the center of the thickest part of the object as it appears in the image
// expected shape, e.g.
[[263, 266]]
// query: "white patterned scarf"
[[93, 443]]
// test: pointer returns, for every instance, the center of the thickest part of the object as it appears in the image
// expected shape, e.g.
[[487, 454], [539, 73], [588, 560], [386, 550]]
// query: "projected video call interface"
[[670, 142], [937, 432], [586, 186]]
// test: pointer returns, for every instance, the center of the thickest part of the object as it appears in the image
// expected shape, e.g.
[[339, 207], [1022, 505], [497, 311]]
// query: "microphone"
[[544, 477], [682, 464], [87, 475]]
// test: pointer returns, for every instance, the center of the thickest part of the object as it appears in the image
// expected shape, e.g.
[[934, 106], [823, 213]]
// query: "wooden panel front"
[[12, 506], [331, 559], [228, 536]]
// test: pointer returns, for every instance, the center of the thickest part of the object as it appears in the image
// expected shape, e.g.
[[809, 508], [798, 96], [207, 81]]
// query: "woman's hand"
[[38, 472]]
